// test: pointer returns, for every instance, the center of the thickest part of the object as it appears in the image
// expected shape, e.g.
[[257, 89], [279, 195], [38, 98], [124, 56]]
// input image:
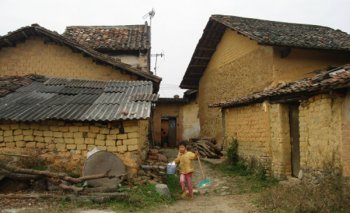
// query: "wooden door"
[[294, 138], [172, 132], [164, 131]]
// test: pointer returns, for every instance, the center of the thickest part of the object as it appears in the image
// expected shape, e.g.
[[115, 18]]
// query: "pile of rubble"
[[207, 147], [153, 170]]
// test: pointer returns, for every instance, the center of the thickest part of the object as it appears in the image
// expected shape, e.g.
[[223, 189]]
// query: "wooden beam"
[[202, 58], [206, 48], [195, 65]]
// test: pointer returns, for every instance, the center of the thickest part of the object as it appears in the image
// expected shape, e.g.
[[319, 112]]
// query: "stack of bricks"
[[59, 138]]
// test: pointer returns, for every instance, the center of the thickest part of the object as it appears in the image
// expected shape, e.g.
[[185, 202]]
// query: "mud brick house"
[[176, 119], [295, 128], [238, 56], [36, 50], [129, 43], [63, 118]]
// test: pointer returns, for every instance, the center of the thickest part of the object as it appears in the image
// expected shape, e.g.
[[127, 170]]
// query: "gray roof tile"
[[78, 100]]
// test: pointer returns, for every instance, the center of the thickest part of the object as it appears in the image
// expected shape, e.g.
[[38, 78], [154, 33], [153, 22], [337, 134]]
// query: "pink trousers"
[[186, 179]]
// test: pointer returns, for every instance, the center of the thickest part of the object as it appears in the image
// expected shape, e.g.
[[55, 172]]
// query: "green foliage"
[[173, 183], [232, 151], [328, 192]]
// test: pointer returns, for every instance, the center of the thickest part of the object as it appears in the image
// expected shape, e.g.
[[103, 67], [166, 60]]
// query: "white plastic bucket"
[[171, 168]]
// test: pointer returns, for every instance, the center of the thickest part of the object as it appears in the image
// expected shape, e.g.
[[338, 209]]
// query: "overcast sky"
[[177, 25]]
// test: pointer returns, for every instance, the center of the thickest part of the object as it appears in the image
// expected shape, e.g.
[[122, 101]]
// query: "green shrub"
[[232, 151]]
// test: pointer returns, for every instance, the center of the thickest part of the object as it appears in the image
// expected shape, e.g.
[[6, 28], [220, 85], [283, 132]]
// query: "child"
[[184, 159]]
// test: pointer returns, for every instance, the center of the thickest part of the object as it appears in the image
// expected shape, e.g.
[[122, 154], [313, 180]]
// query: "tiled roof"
[[77, 100], [321, 83], [128, 37], [10, 84], [287, 34], [263, 32], [23, 33]]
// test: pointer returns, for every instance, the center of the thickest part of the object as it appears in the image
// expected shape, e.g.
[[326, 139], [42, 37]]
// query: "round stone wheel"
[[99, 163]]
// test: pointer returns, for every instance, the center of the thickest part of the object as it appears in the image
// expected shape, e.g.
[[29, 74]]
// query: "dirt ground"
[[221, 196]]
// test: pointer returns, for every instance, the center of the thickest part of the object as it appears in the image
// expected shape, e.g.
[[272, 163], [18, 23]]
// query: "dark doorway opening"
[[168, 131], [294, 138]]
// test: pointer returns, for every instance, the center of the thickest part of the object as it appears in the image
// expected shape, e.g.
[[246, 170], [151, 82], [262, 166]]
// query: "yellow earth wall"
[[300, 63], [52, 60], [167, 110], [66, 144], [250, 126], [320, 132], [191, 126], [238, 67]]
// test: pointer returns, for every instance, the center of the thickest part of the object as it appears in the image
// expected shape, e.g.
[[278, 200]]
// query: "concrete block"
[[41, 145], [91, 135], [112, 148], [78, 135], [69, 140], [81, 147], [14, 126], [10, 144], [60, 147]]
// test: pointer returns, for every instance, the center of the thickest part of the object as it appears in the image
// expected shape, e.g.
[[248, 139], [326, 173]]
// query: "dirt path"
[[223, 195]]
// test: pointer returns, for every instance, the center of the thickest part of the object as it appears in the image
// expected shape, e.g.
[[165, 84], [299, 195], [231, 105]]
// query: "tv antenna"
[[149, 15], [155, 64]]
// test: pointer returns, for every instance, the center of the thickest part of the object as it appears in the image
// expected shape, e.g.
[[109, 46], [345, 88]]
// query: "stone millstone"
[[99, 163], [163, 189]]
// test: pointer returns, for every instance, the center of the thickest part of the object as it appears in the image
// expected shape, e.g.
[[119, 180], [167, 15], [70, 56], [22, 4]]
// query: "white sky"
[[177, 25]]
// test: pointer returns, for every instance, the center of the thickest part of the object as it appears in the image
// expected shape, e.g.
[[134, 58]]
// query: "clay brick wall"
[[320, 123], [53, 60], [280, 140], [250, 126], [67, 143], [237, 68]]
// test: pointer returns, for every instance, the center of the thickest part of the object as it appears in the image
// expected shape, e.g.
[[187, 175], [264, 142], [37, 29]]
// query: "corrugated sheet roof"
[[78, 100], [304, 88]]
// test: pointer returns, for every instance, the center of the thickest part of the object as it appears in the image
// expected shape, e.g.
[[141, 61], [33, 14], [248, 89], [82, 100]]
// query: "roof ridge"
[[89, 26], [83, 48], [273, 21]]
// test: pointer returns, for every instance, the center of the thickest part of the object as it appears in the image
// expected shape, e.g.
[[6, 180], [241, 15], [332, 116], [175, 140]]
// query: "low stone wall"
[[65, 144]]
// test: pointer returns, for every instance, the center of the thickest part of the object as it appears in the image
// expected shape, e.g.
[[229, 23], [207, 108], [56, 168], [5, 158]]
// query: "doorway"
[[168, 131], [294, 138]]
